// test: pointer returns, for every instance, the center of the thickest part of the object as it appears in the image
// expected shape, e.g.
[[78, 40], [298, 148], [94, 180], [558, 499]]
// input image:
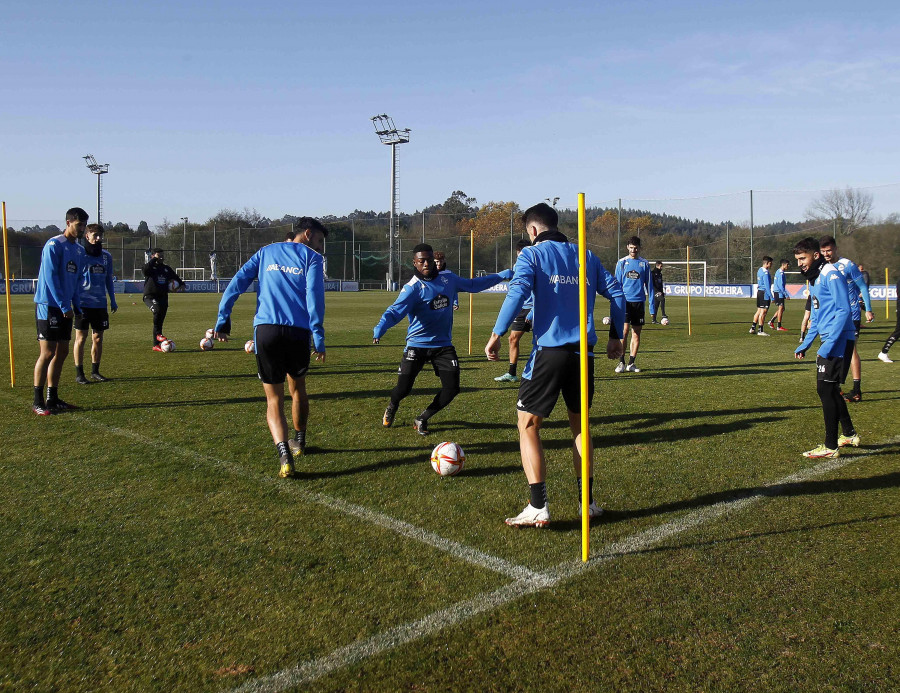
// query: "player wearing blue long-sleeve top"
[[831, 321], [290, 311], [97, 283], [763, 297], [635, 276], [519, 327], [56, 299], [549, 271], [779, 294], [427, 300], [856, 285]]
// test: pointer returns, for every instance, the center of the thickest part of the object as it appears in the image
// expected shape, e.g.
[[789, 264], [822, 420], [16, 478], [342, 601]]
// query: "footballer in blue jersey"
[[519, 326], [856, 285], [635, 276], [779, 294], [548, 271], [831, 321], [763, 297], [56, 299], [427, 300], [290, 312], [97, 284]]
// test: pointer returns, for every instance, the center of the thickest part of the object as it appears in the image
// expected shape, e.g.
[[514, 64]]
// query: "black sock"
[[590, 489], [95, 367], [52, 395], [39, 396], [284, 451], [512, 368], [622, 359], [300, 437], [538, 494], [631, 360], [856, 385], [779, 323], [753, 325], [79, 370]]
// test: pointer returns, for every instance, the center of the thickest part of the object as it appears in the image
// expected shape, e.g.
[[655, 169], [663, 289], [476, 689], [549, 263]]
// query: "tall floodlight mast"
[[99, 170], [389, 134]]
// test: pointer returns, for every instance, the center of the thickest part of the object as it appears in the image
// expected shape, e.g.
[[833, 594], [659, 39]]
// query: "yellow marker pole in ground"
[[12, 356], [887, 286], [689, 288], [583, 363], [471, 276]]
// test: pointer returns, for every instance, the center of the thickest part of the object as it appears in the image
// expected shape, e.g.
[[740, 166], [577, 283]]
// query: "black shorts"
[[95, 318], [761, 300], [281, 350], [848, 357], [52, 325], [634, 313], [441, 358], [520, 324], [779, 299], [552, 370], [829, 369], [808, 308]]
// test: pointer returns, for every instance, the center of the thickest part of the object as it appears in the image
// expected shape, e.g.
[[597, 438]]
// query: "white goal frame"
[[687, 269], [181, 270]]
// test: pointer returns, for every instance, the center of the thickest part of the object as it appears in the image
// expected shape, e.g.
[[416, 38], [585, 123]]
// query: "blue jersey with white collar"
[[830, 318], [634, 276], [59, 278], [780, 286], [429, 307], [764, 283], [97, 281], [856, 285]]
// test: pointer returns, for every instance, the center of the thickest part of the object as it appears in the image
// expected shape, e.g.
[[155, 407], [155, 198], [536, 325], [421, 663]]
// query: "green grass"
[[147, 544]]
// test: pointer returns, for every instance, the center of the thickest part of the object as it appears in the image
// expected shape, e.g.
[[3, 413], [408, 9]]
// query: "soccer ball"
[[249, 347], [210, 332], [448, 459], [174, 284], [606, 320], [664, 321], [167, 345], [206, 344]]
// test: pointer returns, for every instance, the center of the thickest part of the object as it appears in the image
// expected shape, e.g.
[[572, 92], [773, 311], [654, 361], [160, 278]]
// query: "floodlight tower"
[[389, 134], [99, 170]]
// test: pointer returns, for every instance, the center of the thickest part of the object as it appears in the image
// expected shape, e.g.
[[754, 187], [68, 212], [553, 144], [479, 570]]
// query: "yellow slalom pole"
[[9, 328], [583, 364], [689, 289], [471, 276], [887, 287]]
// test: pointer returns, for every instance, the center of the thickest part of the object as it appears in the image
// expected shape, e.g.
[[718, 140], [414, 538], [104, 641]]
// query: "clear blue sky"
[[201, 106]]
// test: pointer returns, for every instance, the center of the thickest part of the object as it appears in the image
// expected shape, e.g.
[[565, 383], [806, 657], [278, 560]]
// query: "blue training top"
[[291, 289], [780, 286], [634, 276], [59, 278], [764, 283], [830, 317], [429, 306], [856, 285], [97, 281]]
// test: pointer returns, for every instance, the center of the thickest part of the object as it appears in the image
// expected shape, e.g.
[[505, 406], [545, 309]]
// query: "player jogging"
[[427, 299], [779, 294], [548, 270], [519, 326], [56, 299], [895, 335], [763, 297], [97, 282], [659, 292], [156, 292], [856, 285], [633, 274], [290, 308], [831, 321]]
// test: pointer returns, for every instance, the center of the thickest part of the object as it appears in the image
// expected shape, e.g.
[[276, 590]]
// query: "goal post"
[[697, 268], [191, 273]]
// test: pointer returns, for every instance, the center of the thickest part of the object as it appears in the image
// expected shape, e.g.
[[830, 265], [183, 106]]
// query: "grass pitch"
[[147, 544]]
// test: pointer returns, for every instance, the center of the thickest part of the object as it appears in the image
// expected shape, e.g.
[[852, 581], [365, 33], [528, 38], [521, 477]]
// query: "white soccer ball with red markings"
[[249, 347], [206, 344], [664, 321], [606, 320], [210, 333], [167, 345], [448, 459]]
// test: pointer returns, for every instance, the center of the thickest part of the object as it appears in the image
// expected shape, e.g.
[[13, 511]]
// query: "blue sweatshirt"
[[635, 278], [98, 281], [59, 278], [830, 317], [429, 307], [764, 283], [780, 286], [548, 270], [291, 290], [856, 285]]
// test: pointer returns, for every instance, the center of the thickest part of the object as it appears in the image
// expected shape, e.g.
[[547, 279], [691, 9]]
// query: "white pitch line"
[[367, 648]]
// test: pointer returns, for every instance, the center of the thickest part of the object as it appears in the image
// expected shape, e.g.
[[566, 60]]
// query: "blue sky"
[[202, 106]]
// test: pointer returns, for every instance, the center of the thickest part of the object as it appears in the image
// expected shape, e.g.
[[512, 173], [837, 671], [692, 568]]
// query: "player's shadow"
[[713, 371], [380, 394], [187, 403], [196, 376]]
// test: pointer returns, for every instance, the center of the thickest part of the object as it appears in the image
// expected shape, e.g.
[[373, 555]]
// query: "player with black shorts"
[[156, 292], [548, 270], [763, 297], [290, 310], [519, 327], [427, 300], [56, 299], [832, 322], [97, 283], [633, 274]]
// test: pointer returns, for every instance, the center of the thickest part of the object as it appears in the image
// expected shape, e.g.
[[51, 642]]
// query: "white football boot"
[[531, 517]]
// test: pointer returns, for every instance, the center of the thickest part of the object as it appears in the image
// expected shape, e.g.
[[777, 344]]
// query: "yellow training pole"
[[887, 287], [12, 356], [583, 363], [689, 288], [471, 276]]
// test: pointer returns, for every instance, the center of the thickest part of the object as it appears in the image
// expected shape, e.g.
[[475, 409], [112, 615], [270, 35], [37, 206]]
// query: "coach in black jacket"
[[156, 292]]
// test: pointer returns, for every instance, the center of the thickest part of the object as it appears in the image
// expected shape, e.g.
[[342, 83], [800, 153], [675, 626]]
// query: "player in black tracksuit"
[[156, 292], [659, 291]]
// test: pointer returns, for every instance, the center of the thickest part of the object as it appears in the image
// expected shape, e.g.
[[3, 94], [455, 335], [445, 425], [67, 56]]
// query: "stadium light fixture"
[[99, 170], [389, 134]]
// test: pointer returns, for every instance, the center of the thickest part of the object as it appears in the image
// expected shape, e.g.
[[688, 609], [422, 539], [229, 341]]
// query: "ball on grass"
[[250, 347], [167, 345], [447, 459], [206, 344], [606, 320], [664, 321]]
